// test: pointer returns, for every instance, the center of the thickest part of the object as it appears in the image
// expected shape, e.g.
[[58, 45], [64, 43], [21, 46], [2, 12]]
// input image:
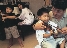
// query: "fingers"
[[39, 25], [65, 28], [51, 32], [3, 18]]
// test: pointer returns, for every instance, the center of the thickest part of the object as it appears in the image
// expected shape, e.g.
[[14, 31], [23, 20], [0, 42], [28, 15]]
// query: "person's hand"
[[20, 23], [39, 26], [51, 31], [59, 30], [64, 30], [3, 18]]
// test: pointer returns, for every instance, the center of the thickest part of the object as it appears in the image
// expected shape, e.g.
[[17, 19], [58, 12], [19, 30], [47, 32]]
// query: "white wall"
[[34, 5]]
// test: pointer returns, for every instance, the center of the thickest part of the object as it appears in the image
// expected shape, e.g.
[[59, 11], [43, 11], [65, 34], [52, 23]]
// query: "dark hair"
[[23, 4], [41, 11], [60, 4], [10, 6]]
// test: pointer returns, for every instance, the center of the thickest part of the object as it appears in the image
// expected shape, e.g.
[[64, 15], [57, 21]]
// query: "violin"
[[51, 26], [48, 27]]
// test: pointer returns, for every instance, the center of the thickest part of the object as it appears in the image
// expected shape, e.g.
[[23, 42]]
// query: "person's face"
[[8, 10], [44, 17], [57, 13], [20, 6]]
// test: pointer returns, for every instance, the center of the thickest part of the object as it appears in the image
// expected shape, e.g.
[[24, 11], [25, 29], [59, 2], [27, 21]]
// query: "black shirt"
[[10, 22]]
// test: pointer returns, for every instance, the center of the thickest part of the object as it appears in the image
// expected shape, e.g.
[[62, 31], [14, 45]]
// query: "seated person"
[[2, 32], [26, 16], [45, 35]]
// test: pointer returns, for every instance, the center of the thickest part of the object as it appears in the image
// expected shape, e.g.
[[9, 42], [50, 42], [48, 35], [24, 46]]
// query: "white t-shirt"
[[26, 16]]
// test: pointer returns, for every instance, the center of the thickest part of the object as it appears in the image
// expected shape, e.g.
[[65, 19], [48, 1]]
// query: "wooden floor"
[[30, 42]]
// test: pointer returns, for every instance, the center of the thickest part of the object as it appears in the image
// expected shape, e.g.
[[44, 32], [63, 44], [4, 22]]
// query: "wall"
[[34, 5]]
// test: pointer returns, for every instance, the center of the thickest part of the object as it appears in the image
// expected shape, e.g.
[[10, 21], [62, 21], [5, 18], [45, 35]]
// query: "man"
[[59, 17]]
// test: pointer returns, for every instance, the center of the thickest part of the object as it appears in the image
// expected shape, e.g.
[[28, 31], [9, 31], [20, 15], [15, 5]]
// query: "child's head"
[[43, 14], [9, 9]]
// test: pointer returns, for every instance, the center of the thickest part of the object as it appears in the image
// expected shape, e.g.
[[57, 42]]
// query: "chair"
[[26, 30]]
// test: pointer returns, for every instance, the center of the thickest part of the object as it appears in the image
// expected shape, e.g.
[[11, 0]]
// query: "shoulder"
[[24, 9], [65, 15]]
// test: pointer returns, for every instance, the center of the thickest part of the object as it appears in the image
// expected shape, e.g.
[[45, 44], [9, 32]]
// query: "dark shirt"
[[2, 31], [10, 22]]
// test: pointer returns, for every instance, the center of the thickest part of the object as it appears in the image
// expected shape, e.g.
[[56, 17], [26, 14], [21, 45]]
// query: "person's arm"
[[38, 26], [64, 30], [26, 17], [10, 17], [47, 35], [21, 17], [27, 20]]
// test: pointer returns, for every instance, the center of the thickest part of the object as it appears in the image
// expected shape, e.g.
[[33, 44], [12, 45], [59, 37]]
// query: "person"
[[59, 17], [26, 16], [10, 26], [45, 36], [2, 32]]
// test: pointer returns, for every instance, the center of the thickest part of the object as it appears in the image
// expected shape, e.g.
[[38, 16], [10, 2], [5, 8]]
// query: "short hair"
[[10, 6], [41, 11], [60, 4], [23, 4]]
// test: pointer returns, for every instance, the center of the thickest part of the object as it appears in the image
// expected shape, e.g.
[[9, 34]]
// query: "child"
[[27, 18], [45, 38], [10, 26], [2, 31]]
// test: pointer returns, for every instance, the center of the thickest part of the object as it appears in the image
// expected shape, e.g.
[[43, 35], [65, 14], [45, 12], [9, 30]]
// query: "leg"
[[20, 41], [23, 32], [22, 35], [61, 42], [9, 36], [62, 45], [10, 42], [16, 35], [48, 44]]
